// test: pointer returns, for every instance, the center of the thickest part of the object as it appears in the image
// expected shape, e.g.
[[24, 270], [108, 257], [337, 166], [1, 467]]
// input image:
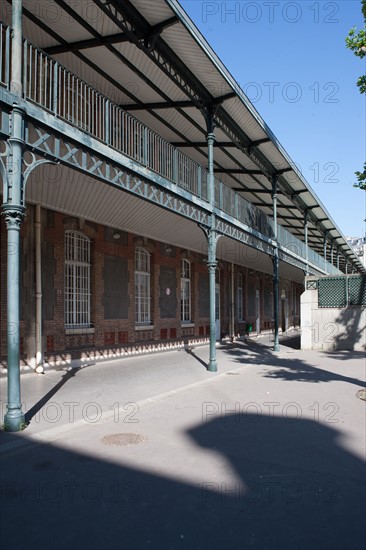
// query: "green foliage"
[[356, 42], [361, 179]]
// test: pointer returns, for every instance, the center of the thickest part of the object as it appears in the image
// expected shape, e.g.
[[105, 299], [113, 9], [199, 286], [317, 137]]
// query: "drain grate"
[[123, 439]]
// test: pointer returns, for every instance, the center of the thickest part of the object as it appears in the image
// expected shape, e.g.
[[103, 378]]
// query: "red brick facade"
[[108, 337]]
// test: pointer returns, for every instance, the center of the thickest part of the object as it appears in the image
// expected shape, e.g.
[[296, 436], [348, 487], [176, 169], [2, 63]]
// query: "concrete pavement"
[[154, 452]]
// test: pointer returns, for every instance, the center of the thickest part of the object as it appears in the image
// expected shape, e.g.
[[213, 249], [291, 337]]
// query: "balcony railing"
[[54, 88]]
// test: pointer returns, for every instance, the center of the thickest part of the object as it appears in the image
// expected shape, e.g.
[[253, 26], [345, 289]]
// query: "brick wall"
[[111, 335]]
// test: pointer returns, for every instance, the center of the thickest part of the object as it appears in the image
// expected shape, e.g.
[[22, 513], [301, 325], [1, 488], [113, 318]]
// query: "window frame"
[[185, 282], [77, 280], [142, 281]]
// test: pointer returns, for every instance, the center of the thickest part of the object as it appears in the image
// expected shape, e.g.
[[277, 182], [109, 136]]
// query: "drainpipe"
[[37, 224], [232, 318]]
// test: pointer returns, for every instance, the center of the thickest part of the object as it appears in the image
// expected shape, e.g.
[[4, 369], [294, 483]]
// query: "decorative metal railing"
[[54, 88]]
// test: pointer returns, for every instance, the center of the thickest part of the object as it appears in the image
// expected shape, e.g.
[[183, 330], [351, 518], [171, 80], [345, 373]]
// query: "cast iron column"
[[275, 260], [13, 211], [212, 240], [306, 241], [325, 251]]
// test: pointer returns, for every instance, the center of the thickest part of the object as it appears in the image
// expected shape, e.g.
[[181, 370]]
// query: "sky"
[[291, 61]]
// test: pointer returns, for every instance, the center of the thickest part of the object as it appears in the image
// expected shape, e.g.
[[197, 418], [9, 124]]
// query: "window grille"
[[357, 290], [142, 287], [342, 291], [332, 292], [185, 291], [77, 280]]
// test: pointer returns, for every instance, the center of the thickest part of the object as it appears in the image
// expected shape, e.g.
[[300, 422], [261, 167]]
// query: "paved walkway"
[[156, 453]]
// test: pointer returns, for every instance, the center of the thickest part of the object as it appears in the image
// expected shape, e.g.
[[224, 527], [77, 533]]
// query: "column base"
[[212, 365], [14, 421], [276, 346]]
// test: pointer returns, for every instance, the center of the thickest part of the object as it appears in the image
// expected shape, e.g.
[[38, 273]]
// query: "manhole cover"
[[123, 439], [361, 395]]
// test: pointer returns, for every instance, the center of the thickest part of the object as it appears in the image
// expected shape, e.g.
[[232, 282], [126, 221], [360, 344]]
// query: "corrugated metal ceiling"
[[51, 22]]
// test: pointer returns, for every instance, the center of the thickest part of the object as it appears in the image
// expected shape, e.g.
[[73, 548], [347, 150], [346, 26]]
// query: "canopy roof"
[[149, 57]]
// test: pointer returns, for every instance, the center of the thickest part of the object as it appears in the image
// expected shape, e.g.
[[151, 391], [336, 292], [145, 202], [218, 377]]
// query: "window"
[[77, 280], [240, 297], [142, 286], [185, 291]]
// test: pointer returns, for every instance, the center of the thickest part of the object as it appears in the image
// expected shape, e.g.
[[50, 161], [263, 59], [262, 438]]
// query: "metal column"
[[13, 211], [306, 241], [275, 260], [212, 241], [325, 251]]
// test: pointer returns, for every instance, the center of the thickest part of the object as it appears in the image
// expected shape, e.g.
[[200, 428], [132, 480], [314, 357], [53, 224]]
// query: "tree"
[[356, 42]]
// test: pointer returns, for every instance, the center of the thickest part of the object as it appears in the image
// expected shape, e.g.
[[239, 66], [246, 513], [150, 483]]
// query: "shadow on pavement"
[[297, 488], [41, 403], [283, 368]]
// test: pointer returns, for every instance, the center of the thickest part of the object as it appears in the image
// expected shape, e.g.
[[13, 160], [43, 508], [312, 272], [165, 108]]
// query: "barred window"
[[185, 291], [240, 297], [142, 287], [77, 280]]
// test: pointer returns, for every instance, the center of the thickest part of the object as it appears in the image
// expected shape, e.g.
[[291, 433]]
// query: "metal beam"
[[195, 144], [118, 38], [246, 190], [162, 105], [237, 171]]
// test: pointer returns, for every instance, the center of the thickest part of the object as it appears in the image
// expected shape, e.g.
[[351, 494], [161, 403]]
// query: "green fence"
[[342, 291]]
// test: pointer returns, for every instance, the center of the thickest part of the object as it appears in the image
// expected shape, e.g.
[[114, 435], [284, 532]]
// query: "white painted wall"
[[331, 328]]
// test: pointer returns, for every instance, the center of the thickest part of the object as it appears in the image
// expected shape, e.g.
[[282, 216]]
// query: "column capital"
[[212, 264], [13, 215]]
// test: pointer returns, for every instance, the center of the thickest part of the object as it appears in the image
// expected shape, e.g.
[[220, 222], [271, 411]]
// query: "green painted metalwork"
[[119, 131], [13, 211], [332, 292], [311, 285], [341, 291], [276, 262], [357, 290], [212, 238]]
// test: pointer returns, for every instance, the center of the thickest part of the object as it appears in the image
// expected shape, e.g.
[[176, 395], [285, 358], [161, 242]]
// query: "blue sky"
[[290, 59]]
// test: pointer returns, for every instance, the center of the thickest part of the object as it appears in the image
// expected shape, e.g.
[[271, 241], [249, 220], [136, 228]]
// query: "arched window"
[[77, 280], [185, 291], [142, 287], [239, 300]]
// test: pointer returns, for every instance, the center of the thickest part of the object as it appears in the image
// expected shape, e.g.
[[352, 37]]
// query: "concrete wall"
[[331, 328]]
